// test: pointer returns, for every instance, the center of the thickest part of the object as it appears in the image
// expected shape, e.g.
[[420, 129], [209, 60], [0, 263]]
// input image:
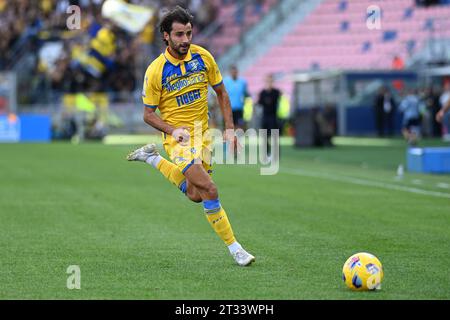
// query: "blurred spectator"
[[384, 112], [409, 107], [431, 101], [100, 56], [425, 113], [398, 63], [269, 100], [95, 128], [443, 115], [324, 125], [237, 90]]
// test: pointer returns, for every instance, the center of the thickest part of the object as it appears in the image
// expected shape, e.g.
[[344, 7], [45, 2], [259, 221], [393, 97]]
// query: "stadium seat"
[[231, 29], [325, 39]]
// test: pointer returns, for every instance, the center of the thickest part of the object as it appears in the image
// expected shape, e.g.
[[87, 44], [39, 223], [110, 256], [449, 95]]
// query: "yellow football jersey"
[[179, 88]]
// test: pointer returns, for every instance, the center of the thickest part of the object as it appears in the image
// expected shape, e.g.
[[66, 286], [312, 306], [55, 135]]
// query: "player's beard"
[[180, 49]]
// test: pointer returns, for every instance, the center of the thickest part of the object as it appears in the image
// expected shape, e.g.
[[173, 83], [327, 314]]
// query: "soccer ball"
[[362, 272]]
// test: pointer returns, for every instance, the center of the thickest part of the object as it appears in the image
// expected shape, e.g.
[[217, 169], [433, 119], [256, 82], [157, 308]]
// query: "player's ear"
[[166, 36]]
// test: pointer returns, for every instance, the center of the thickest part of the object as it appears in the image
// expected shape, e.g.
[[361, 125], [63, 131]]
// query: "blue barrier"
[[361, 121], [428, 160], [35, 128], [25, 128], [9, 128]]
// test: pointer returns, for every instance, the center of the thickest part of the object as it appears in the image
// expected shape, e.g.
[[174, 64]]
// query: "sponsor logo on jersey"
[[194, 64], [184, 82], [188, 98]]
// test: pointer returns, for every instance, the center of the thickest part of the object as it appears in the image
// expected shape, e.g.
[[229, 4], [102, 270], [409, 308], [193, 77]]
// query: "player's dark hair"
[[177, 14]]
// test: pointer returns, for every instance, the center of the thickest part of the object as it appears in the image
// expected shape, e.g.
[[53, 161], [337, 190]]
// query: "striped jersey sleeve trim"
[[216, 85]]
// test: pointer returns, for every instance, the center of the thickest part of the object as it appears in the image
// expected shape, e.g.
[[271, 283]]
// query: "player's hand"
[[229, 137], [439, 116], [181, 135]]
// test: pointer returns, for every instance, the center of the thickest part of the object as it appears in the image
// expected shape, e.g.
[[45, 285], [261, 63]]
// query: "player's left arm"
[[215, 80], [225, 107]]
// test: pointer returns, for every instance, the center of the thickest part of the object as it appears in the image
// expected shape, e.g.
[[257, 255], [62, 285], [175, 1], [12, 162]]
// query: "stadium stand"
[[53, 59], [233, 20], [335, 36], [54, 65]]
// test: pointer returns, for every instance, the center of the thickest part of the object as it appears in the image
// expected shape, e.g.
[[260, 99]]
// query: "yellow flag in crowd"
[[130, 17]]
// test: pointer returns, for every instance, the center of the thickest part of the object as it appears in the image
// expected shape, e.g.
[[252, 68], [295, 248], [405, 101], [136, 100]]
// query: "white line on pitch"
[[363, 182]]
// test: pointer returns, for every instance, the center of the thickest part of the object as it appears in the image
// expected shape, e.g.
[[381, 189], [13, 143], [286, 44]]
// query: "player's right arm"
[[152, 119], [151, 95], [180, 134]]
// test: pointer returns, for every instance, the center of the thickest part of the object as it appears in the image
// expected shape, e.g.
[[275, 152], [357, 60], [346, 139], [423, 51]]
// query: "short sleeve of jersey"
[[214, 75], [151, 92]]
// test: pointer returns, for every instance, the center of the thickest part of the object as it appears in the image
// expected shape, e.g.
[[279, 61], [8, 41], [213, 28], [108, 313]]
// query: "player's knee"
[[196, 200], [194, 197], [211, 190]]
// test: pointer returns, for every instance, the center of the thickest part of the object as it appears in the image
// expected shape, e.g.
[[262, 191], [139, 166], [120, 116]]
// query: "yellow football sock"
[[218, 220], [171, 172]]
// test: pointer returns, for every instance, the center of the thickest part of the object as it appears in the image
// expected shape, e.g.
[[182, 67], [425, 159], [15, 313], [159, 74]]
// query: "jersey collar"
[[174, 60]]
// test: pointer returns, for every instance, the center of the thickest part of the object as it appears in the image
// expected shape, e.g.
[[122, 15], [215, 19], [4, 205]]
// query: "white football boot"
[[242, 257], [143, 153]]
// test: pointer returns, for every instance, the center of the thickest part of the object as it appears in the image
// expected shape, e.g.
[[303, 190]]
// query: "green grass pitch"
[[135, 236]]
